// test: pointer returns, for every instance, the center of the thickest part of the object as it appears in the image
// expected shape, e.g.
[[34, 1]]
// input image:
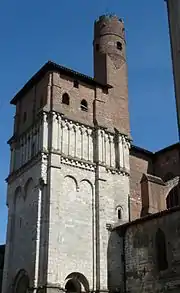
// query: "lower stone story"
[[143, 256], [150, 253]]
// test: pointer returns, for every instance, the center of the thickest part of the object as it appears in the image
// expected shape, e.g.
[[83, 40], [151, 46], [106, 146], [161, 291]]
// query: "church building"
[[87, 210]]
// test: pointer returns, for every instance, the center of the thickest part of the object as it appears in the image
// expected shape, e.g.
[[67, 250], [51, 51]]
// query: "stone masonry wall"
[[23, 196], [83, 195], [71, 224], [141, 257]]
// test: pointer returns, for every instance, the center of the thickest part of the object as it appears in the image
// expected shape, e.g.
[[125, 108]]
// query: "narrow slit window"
[[33, 149], [65, 99], [24, 116], [41, 102], [84, 105], [119, 214]]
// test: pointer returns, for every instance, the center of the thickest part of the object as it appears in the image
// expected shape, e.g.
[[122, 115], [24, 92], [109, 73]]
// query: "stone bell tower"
[[69, 178]]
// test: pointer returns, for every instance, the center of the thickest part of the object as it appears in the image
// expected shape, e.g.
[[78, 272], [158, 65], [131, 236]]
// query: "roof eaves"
[[141, 150], [168, 148], [51, 66]]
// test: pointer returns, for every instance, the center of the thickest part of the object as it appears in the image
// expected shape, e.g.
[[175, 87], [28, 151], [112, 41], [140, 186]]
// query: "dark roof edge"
[[51, 66], [168, 148], [141, 150], [148, 218]]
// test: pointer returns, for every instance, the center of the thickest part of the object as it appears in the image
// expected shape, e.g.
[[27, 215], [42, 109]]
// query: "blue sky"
[[33, 32]]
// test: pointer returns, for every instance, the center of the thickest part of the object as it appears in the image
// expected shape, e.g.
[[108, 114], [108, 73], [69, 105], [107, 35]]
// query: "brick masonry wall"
[[139, 163], [110, 67], [62, 84], [167, 162], [31, 104]]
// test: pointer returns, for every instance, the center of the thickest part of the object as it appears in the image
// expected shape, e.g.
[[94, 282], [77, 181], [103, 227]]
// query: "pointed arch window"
[[65, 99], [172, 200], [84, 105], [161, 251], [21, 284]]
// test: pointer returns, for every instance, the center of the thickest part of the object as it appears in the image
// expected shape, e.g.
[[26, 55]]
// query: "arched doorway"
[[76, 283], [73, 286]]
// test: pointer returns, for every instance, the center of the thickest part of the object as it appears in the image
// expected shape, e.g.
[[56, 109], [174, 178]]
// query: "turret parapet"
[[109, 24], [109, 17]]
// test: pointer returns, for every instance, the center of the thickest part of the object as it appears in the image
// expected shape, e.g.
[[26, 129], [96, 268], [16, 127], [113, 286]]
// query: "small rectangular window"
[[119, 46], [97, 47], [105, 91], [76, 84]]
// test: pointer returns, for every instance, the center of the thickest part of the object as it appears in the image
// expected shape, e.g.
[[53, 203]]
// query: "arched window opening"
[[84, 105], [168, 176], [73, 286], [119, 46], [65, 99], [161, 252], [172, 200], [77, 281], [22, 282]]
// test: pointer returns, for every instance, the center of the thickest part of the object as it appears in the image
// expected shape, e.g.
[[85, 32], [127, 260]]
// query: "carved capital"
[[109, 227], [123, 139], [111, 138], [63, 124], [82, 129], [45, 117], [89, 131], [41, 183]]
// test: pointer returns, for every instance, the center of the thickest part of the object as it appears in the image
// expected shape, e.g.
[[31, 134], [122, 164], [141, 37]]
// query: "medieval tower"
[[69, 174]]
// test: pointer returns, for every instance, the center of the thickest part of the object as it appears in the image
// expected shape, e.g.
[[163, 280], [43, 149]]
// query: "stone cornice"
[[78, 163], [49, 115], [120, 171]]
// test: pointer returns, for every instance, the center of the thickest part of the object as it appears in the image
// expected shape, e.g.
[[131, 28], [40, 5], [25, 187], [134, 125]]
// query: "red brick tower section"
[[110, 67]]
